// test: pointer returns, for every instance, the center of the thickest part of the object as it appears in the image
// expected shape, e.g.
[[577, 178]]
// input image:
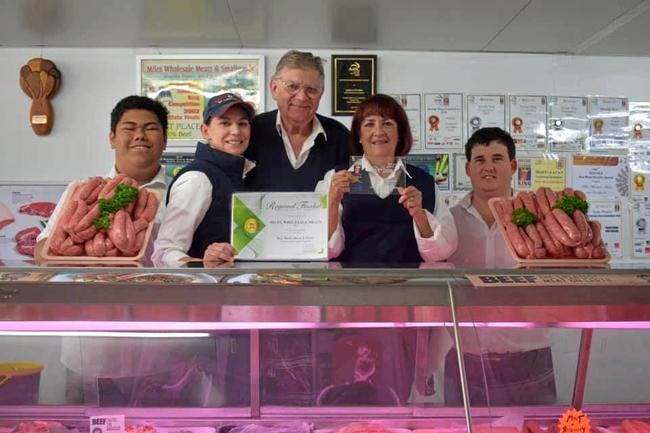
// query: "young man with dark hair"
[[515, 363]]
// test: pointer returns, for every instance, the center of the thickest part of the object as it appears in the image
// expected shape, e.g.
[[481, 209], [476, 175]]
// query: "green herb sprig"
[[124, 196], [522, 217], [569, 204]]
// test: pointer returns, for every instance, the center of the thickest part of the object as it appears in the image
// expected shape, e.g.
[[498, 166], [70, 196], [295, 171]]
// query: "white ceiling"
[[590, 27]]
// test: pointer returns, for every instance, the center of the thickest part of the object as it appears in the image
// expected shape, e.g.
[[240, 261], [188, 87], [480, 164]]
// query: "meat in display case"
[[266, 350]]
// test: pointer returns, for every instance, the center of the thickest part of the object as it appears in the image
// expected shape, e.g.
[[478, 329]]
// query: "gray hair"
[[295, 59]]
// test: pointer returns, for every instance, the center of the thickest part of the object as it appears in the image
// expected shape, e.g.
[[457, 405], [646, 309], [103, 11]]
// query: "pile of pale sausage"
[[76, 235], [554, 235]]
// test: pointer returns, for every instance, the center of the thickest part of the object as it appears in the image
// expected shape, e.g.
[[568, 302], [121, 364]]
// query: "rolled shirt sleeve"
[[189, 199]]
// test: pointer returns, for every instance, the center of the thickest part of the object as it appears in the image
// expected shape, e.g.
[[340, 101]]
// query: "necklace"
[[384, 170]]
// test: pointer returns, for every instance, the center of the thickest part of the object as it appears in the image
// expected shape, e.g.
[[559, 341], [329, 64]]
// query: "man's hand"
[[219, 252]]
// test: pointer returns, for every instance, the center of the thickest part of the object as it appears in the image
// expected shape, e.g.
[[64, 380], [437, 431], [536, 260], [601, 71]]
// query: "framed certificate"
[[412, 105], [528, 121], [483, 111], [462, 182], [568, 125], [544, 171], [184, 84], [443, 120], [354, 78], [640, 123], [609, 118], [600, 176], [279, 226], [609, 213]]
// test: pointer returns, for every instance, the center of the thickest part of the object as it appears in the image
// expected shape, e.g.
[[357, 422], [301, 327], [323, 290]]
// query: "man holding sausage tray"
[[134, 371], [514, 366]]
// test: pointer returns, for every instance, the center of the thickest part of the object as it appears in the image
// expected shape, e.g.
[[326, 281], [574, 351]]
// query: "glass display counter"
[[327, 346]]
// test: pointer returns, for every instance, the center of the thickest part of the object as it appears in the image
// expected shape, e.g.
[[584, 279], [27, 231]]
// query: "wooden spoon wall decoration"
[[40, 80]]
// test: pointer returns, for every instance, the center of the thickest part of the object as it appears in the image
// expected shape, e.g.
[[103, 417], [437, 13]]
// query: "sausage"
[[129, 230], [600, 252], [58, 237], [99, 244], [534, 235], [108, 244], [88, 219], [139, 241], [517, 242], [109, 189], [140, 203], [84, 235], [517, 203], [80, 211], [551, 197], [542, 202], [507, 208], [66, 217], [550, 245], [595, 230], [73, 250], [112, 253], [640, 425], [557, 231], [580, 252], [568, 225], [140, 224], [89, 248], [151, 208], [117, 232], [88, 187], [92, 198], [529, 243], [568, 191], [529, 202], [500, 213], [583, 225], [580, 194]]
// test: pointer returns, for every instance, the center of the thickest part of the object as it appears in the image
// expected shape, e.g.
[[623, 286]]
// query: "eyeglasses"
[[293, 88]]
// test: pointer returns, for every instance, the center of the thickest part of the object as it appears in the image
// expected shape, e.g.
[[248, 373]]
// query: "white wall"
[[95, 79]]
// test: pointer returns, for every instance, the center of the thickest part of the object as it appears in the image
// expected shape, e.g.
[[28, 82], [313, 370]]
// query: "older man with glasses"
[[293, 147]]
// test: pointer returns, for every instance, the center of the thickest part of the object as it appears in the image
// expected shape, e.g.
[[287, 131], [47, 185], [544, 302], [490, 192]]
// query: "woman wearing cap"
[[197, 219], [400, 217]]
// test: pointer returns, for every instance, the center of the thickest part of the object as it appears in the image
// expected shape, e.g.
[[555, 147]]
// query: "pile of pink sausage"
[[555, 235], [76, 235]]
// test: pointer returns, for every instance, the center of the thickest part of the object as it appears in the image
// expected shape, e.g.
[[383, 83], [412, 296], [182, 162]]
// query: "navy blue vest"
[[225, 174], [381, 230], [273, 170]]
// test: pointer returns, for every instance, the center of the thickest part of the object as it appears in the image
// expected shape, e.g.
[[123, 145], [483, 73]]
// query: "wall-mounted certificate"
[[443, 120], [483, 111], [185, 83], [609, 118], [437, 165], [568, 125], [354, 78], [639, 123], [600, 176], [279, 226], [544, 171], [528, 121], [640, 214], [462, 182], [412, 105], [609, 214]]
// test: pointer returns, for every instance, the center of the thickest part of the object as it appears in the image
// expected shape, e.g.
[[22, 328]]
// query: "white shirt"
[[189, 199], [481, 246], [438, 247], [158, 183], [297, 162]]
